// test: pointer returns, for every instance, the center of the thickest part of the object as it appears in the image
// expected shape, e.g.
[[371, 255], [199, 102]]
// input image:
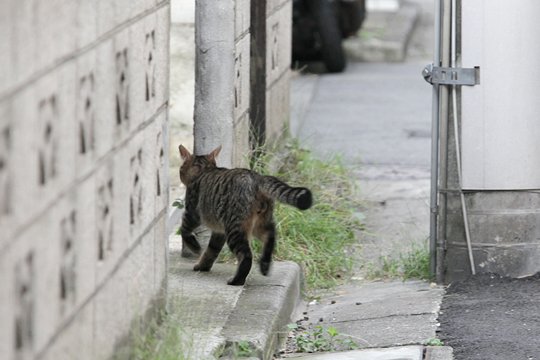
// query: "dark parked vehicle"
[[319, 26]]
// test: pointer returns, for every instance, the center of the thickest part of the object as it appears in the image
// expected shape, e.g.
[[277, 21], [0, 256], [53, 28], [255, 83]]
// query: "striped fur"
[[236, 204]]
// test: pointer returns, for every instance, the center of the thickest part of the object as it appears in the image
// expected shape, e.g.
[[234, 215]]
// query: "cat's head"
[[194, 165]]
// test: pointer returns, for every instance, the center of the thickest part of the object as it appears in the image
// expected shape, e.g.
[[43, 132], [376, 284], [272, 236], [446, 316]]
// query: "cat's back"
[[228, 190], [221, 181]]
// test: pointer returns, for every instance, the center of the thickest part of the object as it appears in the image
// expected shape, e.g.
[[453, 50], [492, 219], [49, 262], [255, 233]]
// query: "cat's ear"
[[184, 153], [214, 154]]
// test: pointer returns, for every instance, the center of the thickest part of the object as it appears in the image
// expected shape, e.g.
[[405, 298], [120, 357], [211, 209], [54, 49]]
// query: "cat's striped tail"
[[299, 197]]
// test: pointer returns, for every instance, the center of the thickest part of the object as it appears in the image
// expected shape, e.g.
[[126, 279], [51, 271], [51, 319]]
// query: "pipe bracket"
[[438, 75]]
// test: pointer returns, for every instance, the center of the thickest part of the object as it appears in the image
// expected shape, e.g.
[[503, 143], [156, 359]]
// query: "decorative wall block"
[[48, 140], [56, 132], [278, 60], [105, 219], [112, 191], [87, 102], [150, 65], [274, 47], [160, 169], [122, 89], [7, 193], [161, 165], [136, 189], [241, 78], [5, 171], [142, 44], [24, 312], [278, 42], [86, 113], [68, 273]]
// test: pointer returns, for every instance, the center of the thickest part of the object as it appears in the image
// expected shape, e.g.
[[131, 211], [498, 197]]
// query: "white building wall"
[[83, 172], [500, 117]]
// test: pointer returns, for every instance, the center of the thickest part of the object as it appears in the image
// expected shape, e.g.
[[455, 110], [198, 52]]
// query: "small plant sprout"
[[319, 339], [434, 342]]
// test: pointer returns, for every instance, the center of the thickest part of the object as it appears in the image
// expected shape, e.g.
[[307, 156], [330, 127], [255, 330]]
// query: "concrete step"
[[219, 320], [393, 353]]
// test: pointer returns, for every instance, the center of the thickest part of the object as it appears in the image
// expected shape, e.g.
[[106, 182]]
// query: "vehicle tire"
[[329, 33]]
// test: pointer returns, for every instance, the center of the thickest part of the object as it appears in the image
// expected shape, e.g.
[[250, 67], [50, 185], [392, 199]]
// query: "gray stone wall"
[[83, 185]]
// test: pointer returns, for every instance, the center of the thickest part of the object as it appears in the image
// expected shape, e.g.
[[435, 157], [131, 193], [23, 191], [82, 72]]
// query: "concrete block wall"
[[278, 63], [83, 173], [241, 124]]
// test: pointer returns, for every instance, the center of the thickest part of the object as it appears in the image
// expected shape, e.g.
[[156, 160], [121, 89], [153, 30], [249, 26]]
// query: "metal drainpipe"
[[435, 145], [444, 52]]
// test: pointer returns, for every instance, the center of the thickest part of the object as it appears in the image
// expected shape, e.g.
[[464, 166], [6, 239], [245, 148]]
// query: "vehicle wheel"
[[329, 33]]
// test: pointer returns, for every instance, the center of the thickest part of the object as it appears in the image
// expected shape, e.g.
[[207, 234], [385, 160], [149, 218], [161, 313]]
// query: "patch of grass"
[[161, 339], [412, 265], [238, 350], [318, 238], [320, 339], [416, 264]]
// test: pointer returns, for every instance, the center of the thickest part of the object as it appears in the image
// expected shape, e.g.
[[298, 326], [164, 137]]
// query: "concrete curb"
[[219, 320], [385, 36], [263, 311]]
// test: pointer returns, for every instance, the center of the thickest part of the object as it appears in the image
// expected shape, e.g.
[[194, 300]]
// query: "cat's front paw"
[[236, 282], [265, 267]]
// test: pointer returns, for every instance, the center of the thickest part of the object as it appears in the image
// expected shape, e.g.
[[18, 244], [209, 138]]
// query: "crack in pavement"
[[383, 317]]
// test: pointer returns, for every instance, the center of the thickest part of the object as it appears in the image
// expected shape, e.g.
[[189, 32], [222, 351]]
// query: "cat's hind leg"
[[211, 253], [266, 232], [238, 242]]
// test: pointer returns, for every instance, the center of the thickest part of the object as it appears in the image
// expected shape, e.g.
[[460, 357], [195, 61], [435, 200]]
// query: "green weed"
[[320, 339], [434, 342], [412, 265], [238, 350], [319, 238], [416, 264]]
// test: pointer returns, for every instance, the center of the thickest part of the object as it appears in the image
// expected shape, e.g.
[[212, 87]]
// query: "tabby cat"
[[235, 204]]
